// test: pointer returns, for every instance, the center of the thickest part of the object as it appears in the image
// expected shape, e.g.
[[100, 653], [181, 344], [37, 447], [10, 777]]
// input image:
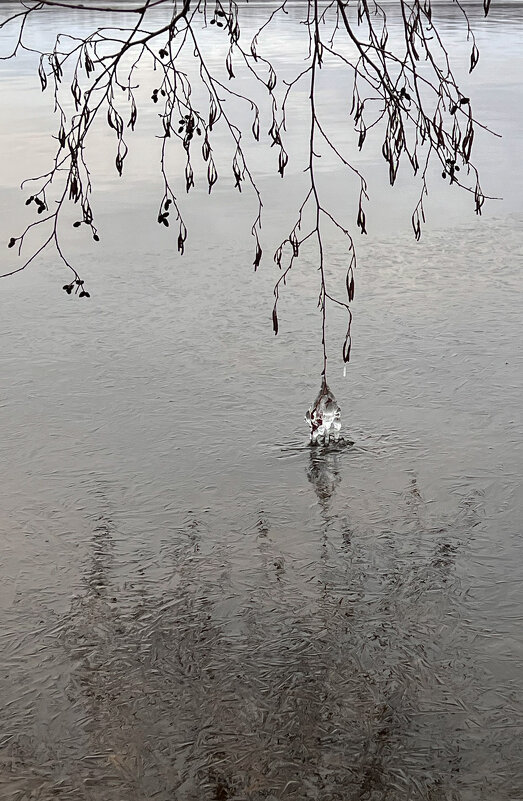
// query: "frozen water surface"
[[197, 605]]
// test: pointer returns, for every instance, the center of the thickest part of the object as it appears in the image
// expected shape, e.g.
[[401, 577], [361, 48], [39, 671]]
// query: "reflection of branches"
[[331, 678], [405, 90], [324, 472]]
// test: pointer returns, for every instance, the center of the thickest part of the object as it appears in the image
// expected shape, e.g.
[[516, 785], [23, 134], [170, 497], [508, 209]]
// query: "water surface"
[[195, 604]]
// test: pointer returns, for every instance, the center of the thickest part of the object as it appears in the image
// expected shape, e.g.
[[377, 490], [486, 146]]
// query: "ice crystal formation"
[[324, 417]]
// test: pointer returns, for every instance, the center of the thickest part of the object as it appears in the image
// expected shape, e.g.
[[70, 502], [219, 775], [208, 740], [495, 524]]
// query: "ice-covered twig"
[[324, 417]]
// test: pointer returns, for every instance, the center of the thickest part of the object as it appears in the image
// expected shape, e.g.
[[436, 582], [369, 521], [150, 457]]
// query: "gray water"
[[194, 603]]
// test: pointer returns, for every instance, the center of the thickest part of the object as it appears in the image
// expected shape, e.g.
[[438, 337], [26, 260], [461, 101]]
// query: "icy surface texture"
[[324, 417]]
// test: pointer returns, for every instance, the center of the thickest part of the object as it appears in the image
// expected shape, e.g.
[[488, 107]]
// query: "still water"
[[196, 605]]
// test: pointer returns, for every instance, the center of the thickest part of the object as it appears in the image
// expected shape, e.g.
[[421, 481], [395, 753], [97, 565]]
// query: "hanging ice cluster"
[[324, 417]]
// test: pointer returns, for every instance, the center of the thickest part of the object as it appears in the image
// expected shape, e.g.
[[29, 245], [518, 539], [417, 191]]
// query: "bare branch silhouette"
[[406, 91]]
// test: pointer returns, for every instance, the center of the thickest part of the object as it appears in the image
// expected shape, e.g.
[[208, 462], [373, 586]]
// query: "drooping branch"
[[404, 90]]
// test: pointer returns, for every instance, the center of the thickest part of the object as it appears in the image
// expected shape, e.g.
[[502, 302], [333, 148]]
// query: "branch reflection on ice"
[[209, 674], [324, 471]]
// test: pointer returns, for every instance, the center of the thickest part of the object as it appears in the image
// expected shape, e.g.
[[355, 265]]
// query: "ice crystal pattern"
[[324, 417]]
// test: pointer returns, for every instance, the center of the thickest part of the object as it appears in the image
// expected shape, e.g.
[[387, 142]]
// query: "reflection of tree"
[[392, 664], [94, 627], [97, 578], [324, 472], [328, 679]]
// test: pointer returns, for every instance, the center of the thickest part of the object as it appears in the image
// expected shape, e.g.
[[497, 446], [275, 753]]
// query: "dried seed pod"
[[274, 321]]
